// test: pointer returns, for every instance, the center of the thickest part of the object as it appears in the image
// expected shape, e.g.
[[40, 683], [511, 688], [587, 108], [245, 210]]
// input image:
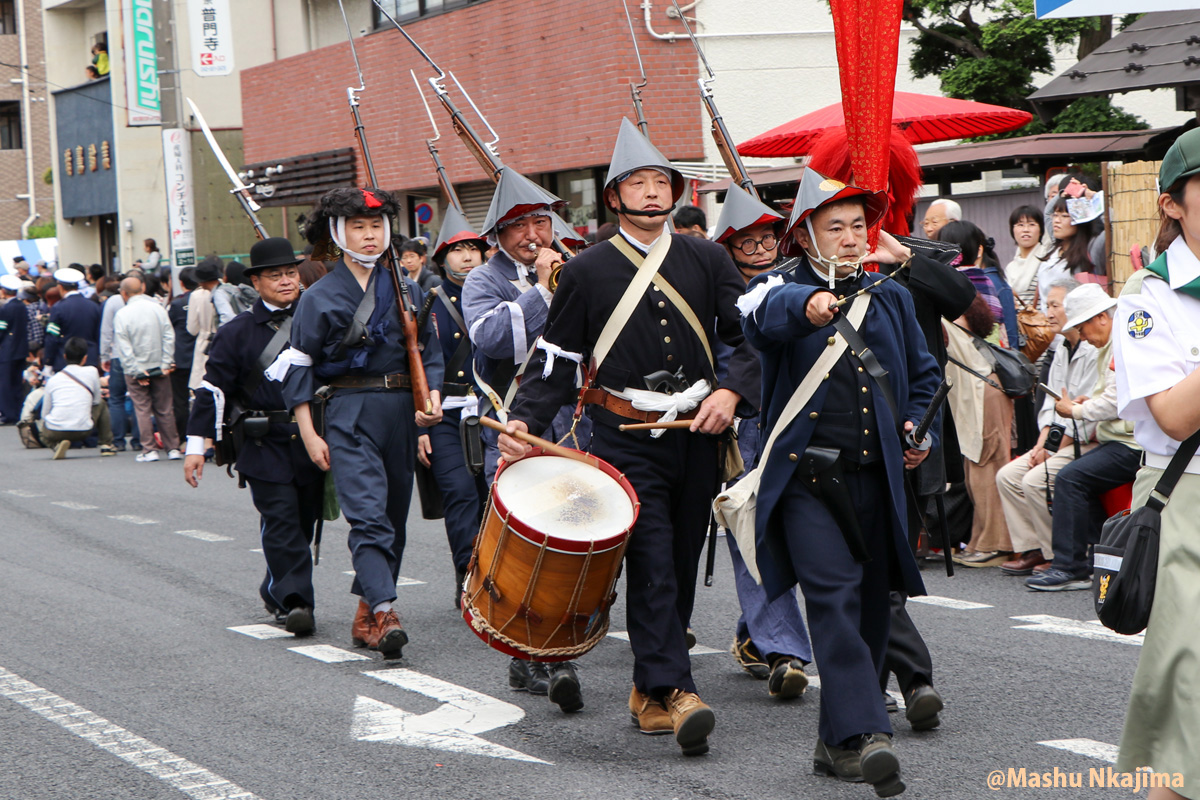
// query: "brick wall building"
[[13, 211], [552, 78]]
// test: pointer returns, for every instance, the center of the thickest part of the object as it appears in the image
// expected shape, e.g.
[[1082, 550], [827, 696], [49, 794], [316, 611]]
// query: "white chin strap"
[[337, 230], [827, 267]]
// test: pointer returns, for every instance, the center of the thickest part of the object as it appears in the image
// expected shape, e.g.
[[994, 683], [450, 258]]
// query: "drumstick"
[[656, 426], [537, 441]]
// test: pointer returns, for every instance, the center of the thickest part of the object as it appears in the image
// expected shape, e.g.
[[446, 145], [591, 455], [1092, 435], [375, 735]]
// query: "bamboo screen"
[[1133, 213]]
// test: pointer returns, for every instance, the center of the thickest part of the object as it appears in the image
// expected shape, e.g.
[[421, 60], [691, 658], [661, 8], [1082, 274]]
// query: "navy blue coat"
[[451, 337], [185, 343], [14, 331], [233, 357], [74, 315], [789, 345]]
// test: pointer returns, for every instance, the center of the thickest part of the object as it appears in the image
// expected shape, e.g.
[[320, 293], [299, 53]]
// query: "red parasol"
[[922, 118]]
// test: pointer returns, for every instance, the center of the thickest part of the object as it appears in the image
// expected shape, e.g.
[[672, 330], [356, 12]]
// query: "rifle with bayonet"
[[240, 190], [449, 196], [404, 301], [729, 154], [635, 90]]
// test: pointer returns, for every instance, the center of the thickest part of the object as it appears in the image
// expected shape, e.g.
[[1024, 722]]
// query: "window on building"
[[8, 17], [10, 126], [402, 10]]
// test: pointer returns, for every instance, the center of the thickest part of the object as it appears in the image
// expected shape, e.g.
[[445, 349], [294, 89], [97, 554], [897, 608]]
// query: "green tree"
[[990, 50]]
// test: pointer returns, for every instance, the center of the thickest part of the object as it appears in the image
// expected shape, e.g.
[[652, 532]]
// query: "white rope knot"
[[286, 360], [748, 303], [552, 352], [669, 405]]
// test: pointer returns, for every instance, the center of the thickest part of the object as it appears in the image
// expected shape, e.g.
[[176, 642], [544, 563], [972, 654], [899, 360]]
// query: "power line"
[[49, 82]]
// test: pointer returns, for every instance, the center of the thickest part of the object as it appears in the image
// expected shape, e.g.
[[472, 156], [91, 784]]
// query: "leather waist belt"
[[456, 389], [273, 417], [623, 408], [398, 381]]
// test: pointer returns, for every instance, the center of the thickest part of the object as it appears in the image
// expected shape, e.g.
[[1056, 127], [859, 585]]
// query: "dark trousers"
[[372, 438], [10, 391], [122, 423], [179, 397], [907, 656], [1078, 513], [288, 515], [463, 494], [675, 478], [848, 603]]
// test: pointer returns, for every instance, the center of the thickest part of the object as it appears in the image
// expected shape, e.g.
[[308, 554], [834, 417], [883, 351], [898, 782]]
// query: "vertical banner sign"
[[141, 64], [212, 37], [181, 216]]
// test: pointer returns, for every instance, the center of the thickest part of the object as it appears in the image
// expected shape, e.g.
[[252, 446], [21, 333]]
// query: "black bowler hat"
[[273, 252]]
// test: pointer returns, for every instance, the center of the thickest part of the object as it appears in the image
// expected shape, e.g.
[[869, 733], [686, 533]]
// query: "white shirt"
[[67, 406], [1157, 331]]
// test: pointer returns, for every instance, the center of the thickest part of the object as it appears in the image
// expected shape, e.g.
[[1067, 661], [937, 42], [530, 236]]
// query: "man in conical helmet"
[[652, 364], [832, 512], [348, 358]]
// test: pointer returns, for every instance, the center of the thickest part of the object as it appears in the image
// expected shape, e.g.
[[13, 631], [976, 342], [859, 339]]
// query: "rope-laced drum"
[[541, 578]]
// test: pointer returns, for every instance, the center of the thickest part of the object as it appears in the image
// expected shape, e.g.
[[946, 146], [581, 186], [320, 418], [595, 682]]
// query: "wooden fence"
[[1132, 200]]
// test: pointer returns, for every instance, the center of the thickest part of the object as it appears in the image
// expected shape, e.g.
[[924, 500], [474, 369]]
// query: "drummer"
[[656, 366]]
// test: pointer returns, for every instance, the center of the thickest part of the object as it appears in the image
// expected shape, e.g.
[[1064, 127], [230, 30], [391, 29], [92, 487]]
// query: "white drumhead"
[[565, 498]]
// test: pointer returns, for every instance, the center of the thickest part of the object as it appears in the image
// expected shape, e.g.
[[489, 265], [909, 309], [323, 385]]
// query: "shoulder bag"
[[1036, 332]]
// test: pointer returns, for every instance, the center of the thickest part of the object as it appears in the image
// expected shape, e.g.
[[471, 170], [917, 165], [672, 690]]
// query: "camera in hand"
[[1054, 438], [154, 372]]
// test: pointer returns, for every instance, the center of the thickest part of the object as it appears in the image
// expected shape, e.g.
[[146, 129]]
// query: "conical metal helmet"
[[743, 210], [633, 152], [455, 229], [565, 233], [515, 196], [815, 191]]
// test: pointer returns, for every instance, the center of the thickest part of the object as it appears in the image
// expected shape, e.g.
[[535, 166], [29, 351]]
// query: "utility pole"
[[176, 141]]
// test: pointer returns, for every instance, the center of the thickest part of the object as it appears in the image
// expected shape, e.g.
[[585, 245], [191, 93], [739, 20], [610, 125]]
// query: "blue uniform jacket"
[[74, 315], [14, 334], [233, 357], [451, 337], [504, 322], [323, 315], [788, 346]]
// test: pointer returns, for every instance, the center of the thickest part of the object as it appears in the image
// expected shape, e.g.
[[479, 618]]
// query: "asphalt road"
[[120, 676]]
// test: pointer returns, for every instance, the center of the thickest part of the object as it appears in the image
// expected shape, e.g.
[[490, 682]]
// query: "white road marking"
[[814, 682], [181, 774], [948, 602], [1073, 627], [205, 536], [262, 632], [401, 581], [698, 650], [73, 505], [451, 726], [1086, 747], [23, 493], [256, 549], [328, 653], [132, 520]]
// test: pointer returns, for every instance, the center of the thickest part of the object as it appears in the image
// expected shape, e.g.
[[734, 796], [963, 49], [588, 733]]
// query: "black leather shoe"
[[890, 703], [879, 765], [837, 762], [565, 691], [299, 621], [459, 578], [528, 676], [923, 703], [278, 613]]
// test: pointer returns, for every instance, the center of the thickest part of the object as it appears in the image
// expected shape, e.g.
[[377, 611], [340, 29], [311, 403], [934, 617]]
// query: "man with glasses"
[[285, 484], [940, 213]]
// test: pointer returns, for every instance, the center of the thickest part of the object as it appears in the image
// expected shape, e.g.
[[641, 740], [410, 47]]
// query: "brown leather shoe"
[[692, 720], [362, 631], [1023, 564], [391, 637], [649, 715], [1040, 568]]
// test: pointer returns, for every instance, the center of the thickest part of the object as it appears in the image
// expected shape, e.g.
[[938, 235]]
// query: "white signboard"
[[212, 37], [141, 64], [181, 214]]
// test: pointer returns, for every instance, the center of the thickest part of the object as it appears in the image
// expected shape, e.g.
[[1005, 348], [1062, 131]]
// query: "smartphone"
[[1050, 391], [1074, 189]]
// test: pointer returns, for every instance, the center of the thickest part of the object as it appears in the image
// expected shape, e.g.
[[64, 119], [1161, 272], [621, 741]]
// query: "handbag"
[[1016, 373], [1125, 562], [1035, 329]]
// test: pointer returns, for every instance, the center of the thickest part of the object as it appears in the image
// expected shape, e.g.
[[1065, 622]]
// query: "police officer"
[[654, 366], [831, 509], [14, 348], [287, 488], [771, 641], [348, 341], [458, 251], [505, 303], [73, 315]]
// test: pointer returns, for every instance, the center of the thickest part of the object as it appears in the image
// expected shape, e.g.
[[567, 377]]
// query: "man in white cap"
[[14, 348], [1078, 512], [652, 363], [73, 315]]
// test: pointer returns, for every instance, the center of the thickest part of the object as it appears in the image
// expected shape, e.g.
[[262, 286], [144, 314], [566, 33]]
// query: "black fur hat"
[[347, 202]]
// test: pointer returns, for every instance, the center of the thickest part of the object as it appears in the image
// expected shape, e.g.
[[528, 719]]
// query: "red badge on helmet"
[[371, 200]]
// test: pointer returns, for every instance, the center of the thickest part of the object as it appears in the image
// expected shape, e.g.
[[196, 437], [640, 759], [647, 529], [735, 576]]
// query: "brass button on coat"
[[813, 415], [793, 457]]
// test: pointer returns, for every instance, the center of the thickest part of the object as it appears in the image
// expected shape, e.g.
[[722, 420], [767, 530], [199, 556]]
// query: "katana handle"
[[916, 437]]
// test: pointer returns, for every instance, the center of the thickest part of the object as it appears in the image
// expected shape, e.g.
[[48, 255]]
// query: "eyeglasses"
[[1061, 215], [750, 246]]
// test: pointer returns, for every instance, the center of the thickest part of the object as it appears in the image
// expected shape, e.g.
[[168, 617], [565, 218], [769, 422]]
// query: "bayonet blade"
[[234, 178]]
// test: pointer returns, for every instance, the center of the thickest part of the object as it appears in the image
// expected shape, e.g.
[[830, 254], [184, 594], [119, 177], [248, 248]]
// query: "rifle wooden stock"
[[412, 342], [474, 145], [732, 163]]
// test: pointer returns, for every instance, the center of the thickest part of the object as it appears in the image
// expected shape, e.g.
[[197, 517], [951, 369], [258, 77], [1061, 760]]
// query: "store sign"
[[141, 64], [1055, 9], [181, 214], [212, 37]]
